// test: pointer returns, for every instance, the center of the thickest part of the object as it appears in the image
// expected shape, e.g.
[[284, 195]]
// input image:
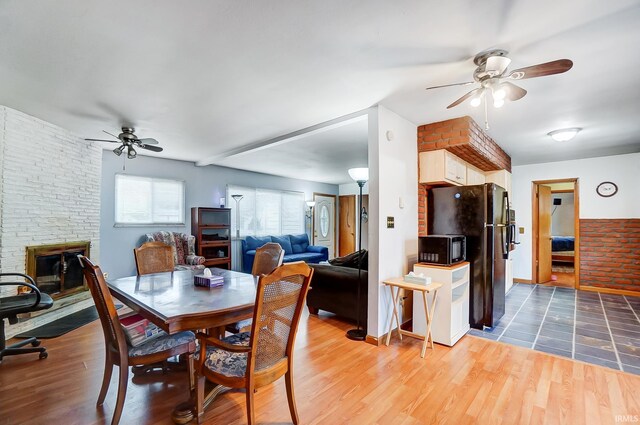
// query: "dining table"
[[174, 303]]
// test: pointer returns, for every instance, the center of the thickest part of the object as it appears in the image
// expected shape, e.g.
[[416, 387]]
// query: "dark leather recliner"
[[334, 289]]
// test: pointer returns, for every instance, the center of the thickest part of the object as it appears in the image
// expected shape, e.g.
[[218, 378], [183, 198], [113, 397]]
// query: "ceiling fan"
[[130, 141], [495, 81]]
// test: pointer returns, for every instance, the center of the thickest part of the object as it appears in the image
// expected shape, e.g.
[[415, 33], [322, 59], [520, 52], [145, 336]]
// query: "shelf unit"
[[212, 229], [451, 317]]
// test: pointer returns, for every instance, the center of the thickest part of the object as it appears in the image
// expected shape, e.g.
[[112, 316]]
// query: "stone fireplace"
[[56, 269], [49, 195]]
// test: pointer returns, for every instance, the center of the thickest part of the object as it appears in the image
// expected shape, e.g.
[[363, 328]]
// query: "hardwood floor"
[[337, 381]]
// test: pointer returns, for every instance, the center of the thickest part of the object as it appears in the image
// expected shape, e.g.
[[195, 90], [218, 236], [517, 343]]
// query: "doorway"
[[556, 234], [348, 223], [324, 222]]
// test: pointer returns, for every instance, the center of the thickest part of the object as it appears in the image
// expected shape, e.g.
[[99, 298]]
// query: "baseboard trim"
[[373, 340], [610, 291], [522, 280]]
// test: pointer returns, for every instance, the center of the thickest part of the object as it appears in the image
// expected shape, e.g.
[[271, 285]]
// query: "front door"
[[347, 234], [544, 233], [324, 222]]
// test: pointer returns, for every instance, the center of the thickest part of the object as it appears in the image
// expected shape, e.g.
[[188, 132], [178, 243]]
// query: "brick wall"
[[464, 138], [50, 190], [610, 253]]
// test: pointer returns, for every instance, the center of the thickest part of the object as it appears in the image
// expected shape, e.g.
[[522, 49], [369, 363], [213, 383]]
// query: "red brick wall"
[[610, 253], [462, 137]]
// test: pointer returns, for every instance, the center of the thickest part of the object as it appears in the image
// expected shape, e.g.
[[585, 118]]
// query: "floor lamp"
[[360, 175], [237, 198]]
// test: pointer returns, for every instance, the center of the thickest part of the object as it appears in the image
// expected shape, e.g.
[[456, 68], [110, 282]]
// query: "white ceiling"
[[208, 77]]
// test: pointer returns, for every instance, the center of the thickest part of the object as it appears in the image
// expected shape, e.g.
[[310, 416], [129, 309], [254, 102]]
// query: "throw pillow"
[[284, 242], [299, 243]]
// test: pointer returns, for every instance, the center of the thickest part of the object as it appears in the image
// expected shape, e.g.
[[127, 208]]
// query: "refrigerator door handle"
[[507, 239]]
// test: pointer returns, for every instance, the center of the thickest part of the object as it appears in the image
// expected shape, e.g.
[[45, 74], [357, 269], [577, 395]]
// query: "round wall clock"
[[607, 189]]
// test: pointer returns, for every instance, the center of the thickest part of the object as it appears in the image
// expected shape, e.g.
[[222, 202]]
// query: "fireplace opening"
[[56, 269]]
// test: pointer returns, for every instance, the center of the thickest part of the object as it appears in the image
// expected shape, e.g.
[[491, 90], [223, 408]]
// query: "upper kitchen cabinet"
[[442, 167]]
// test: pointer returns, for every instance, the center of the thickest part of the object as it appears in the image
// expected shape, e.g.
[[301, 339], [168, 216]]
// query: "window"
[[267, 212], [146, 200]]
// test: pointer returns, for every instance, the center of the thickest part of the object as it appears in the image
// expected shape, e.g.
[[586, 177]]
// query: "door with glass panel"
[[324, 222]]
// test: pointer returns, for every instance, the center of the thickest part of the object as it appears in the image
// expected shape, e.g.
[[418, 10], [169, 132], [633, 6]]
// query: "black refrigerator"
[[480, 213]]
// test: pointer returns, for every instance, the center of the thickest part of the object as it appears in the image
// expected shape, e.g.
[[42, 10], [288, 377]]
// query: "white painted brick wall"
[[49, 190]]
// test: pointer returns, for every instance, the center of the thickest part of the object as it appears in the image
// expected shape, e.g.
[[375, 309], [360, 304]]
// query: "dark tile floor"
[[596, 328]]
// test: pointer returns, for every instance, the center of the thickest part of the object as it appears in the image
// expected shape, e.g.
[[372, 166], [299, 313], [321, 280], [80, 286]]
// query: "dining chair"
[[253, 359], [154, 257], [268, 258], [118, 351]]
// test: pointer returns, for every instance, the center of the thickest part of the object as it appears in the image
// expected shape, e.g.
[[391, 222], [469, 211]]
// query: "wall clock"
[[607, 189]]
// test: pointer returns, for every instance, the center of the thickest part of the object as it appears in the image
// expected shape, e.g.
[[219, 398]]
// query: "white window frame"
[[231, 203], [117, 223]]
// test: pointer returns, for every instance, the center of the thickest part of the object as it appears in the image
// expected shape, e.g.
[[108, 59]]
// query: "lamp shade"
[[565, 134], [359, 174], [311, 204]]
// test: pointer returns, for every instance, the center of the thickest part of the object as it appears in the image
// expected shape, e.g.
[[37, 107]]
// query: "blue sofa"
[[296, 248]]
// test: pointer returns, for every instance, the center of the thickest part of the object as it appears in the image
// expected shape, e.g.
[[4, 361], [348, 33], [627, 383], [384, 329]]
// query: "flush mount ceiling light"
[[564, 135]]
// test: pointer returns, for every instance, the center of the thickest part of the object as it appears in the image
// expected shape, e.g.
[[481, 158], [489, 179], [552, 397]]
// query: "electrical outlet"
[[105, 274], [521, 230]]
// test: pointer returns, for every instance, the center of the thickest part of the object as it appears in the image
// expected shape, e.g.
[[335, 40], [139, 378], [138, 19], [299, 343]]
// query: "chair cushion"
[[225, 362], [299, 243], [240, 326], [162, 343], [252, 242], [284, 242]]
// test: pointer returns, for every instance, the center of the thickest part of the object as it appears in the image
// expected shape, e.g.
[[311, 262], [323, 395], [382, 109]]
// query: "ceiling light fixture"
[[131, 153], [477, 99], [564, 135], [497, 103], [118, 150]]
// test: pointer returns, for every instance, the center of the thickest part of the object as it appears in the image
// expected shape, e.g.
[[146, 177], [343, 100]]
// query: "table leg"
[[394, 300], [186, 412], [433, 309]]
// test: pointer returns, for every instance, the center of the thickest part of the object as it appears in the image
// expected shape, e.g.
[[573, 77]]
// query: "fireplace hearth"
[[56, 269]]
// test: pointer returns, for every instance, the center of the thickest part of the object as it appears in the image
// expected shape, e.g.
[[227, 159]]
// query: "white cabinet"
[[508, 274], [501, 178], [474, 175], [442, 166], [450, 320]]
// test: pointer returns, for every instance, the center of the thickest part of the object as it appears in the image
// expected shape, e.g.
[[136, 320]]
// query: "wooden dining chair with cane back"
[[153, 257], [253, 359], [120, 350], [268, 258]]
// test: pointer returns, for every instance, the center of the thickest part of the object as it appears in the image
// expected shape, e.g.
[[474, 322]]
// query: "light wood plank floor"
[[337, 381]]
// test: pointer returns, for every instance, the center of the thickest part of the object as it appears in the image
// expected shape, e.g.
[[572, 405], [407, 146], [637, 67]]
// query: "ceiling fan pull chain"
[[486, 114]]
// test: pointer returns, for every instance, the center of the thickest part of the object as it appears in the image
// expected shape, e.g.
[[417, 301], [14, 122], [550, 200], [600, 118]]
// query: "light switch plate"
[[390, 222], [521, 230]]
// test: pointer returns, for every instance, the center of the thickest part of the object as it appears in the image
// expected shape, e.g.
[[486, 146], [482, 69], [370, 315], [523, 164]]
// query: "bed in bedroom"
[[563, 249]]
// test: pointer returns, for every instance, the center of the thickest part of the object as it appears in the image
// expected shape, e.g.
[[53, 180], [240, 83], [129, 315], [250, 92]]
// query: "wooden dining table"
[[172, 302]]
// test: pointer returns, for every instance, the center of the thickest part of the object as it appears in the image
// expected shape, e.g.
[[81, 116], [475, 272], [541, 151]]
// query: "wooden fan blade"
[[465, 97], [451, 85], [148, 141], [541, 70], [102, 140], [513, 92], [151, 148]]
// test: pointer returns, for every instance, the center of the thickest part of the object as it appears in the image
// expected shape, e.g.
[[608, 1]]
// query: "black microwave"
[[443, 250]]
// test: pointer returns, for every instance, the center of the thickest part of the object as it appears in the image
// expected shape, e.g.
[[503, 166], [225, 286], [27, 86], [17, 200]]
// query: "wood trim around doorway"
[[576, 225]]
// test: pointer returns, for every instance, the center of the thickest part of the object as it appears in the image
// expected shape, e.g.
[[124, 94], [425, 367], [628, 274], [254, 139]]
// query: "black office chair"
[[10, 307]]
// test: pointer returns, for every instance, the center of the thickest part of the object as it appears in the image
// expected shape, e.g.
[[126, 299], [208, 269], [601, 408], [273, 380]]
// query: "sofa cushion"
[[255, 243], [299, 243], [308, 257], [284, 242]]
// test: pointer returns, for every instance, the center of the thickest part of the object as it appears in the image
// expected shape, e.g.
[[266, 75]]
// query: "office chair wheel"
[[44, 355], [36, 343]]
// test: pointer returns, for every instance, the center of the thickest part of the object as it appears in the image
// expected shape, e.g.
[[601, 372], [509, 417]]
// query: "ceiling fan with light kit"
[[496, 83], [130, 141]]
